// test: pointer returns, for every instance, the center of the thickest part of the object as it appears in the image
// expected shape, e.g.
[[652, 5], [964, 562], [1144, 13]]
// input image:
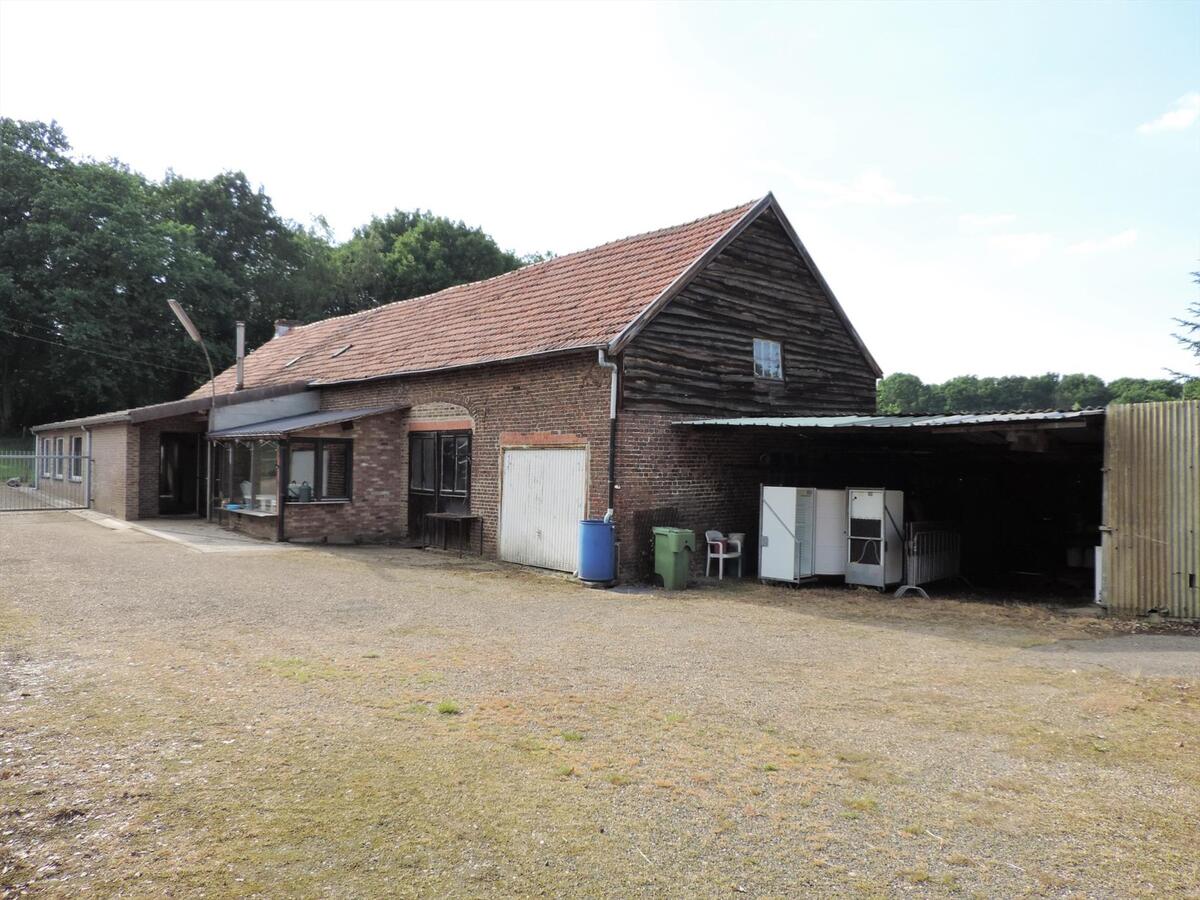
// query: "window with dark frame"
[[439, 467], [319, 469], [77, 457], [768, 359]]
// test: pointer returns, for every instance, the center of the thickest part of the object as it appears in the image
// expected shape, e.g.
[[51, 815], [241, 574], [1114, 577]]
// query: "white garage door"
[[542, 499]]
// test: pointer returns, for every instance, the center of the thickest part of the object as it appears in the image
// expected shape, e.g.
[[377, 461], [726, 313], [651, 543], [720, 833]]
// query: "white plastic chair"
[[721, 548]]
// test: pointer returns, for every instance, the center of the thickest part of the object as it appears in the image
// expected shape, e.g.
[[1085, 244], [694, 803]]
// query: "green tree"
[[84, 273], [1189, 328], [1144, 390], [266, 268], [961, 394], [1079, 390], [902, 393], [31, 154], [410, 254], [90, 251]]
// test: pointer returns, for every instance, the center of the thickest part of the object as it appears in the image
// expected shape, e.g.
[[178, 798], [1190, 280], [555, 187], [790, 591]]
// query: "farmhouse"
[[665, 377]]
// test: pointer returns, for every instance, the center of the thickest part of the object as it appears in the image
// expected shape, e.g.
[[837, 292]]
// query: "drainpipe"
[[241, 356], [606, 363]]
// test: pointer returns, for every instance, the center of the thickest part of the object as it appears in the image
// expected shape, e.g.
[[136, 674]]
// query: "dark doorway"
[[178, 473], [439, 475]]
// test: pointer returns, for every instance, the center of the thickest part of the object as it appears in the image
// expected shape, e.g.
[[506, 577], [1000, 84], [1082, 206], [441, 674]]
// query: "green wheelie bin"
[[671, 559]]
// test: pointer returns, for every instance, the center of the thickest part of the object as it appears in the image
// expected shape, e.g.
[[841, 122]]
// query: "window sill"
[[316, 502], [256, 513], [76, 479]]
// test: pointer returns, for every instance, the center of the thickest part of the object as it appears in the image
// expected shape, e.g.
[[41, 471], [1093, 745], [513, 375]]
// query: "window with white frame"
[[768, 359], [47, 461], [77, 457], [58, 458]]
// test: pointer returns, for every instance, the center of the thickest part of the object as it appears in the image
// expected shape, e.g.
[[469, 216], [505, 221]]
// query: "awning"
[[278, 428]]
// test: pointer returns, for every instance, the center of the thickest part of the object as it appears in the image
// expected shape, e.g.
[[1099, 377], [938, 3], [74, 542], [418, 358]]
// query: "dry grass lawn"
[[370, 721]]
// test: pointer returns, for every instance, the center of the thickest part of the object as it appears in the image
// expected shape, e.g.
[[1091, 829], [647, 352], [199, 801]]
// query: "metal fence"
[[36, 481], [932, 552]]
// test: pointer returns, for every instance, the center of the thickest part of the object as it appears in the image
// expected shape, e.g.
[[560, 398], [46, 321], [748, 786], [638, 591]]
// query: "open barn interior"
[[1023, 495]]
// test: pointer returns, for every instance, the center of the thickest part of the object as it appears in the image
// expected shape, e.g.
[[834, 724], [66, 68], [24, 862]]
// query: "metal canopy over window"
[[274, 429]]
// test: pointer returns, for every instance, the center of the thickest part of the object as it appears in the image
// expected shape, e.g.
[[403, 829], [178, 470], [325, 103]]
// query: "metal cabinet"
[[875, 536], [802, 533]]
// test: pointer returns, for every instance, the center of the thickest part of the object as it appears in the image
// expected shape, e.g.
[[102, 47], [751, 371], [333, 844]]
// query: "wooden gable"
[[696, 355]]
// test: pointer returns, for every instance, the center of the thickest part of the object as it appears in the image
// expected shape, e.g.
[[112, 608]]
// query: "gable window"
[[318, 470], [58, 458], [768, 359], [47, 459], [77, 457]]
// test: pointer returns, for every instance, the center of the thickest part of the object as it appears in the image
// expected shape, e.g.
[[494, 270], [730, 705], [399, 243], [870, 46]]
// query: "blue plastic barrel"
[[596, 555]]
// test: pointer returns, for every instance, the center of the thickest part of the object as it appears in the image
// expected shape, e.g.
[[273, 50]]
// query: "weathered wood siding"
[[697, 355]]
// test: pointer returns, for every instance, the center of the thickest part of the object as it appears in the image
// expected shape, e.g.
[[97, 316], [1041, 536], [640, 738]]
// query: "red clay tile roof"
[[578, 301]]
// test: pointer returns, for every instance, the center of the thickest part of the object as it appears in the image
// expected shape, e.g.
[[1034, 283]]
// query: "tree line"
[[904, 393], [90, 251]]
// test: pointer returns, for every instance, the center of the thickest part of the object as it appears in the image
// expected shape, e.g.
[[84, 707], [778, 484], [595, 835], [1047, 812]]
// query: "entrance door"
[[543, 497], [178, 471], [439, 475]]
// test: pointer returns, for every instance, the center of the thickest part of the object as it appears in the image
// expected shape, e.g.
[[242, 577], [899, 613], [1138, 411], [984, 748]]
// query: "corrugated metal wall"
[[1151, 558]]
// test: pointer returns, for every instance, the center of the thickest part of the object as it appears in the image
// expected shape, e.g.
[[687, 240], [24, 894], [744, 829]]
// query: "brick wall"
[[688, 478], [552, 398], [665, 475], [378, 509], [109, 469]]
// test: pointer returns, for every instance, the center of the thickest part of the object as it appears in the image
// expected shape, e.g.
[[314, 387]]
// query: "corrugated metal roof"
[[904, 421], [277, 428]]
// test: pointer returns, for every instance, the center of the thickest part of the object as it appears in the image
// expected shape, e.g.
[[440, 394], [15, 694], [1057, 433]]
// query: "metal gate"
[[38, 481], [1151, 538]]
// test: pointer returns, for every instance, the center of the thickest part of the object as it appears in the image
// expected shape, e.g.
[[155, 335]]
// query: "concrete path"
[[1169, 655], [195, 534]]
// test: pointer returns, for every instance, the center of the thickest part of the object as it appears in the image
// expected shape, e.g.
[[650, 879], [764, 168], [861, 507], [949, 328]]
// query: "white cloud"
[[1126, 238], [1183, 114], [1022, 248], [984, 221], [870, 188]]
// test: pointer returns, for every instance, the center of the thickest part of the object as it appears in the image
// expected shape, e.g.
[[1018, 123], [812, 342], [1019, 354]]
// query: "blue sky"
[[989, 188]]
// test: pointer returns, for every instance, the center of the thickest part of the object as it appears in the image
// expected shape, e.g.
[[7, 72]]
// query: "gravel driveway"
[[360, 721]]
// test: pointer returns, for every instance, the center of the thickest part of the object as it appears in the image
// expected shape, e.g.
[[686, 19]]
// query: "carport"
[[1024, 490]]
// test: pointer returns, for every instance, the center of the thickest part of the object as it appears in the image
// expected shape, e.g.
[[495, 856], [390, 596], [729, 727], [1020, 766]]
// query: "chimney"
[[241, 356], [283, 326]]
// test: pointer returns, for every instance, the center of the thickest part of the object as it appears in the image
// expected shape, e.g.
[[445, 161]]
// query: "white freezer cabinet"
[[802, 533]]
